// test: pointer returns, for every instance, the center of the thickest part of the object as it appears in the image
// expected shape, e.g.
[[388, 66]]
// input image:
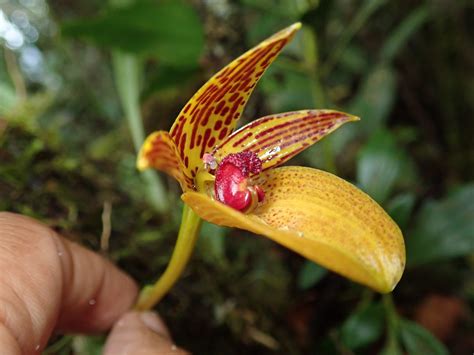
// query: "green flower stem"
[[392, 320], [127, 69], [187, 236]]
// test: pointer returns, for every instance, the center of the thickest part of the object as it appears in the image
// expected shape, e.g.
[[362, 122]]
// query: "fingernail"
[[153, 322]]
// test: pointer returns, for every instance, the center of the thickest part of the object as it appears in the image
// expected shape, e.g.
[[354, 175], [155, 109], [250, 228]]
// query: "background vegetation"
[[78, 78]]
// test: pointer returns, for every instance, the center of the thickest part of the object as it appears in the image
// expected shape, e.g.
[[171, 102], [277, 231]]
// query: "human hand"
[[50, 284]]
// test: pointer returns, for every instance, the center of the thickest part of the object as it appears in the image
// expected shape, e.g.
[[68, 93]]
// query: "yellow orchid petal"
[[323, 218], [159, 152], [277, 138], [211, 114]]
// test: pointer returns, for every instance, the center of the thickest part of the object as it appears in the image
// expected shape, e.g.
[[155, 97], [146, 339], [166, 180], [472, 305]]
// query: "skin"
[[49, 284]]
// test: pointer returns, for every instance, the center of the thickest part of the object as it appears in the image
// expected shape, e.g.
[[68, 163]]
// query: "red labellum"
[[233, 185]]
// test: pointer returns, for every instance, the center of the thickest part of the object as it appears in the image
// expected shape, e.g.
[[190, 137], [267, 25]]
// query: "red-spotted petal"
[[323, 218], [211, 114], [277, 138], [159, 152]]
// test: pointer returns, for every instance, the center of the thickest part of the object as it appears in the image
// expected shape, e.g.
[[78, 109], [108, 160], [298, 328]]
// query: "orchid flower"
[[233, 179]]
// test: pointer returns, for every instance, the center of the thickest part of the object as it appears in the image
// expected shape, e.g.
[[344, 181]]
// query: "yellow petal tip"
[[286, 33], [296, 26], [142, 163], [293, 28]]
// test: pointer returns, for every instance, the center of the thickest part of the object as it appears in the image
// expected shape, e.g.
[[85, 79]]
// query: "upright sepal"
[[211, 114], [277, 138]]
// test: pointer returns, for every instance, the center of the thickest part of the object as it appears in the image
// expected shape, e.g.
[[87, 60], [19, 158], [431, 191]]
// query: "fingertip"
[[141, 333], [153, 322]]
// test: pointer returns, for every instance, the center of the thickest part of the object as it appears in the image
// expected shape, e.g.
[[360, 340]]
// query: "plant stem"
[[15, 73], [187, 236], [391, 315], [127, 77]]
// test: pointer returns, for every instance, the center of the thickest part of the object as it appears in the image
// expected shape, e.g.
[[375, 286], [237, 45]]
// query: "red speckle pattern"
[[247, 162], [161, 153], [232, 181], [212, 112], [277, 138]]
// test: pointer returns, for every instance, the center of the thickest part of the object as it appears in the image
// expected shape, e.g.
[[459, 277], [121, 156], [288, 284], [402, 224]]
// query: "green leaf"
[[286, 9], [310, 274], [367, 9], [400, 209], [287, 90], [380, 164], [169, 30], [403, 32], [417, 340], [375, 99], [363, 327], [443, 229]]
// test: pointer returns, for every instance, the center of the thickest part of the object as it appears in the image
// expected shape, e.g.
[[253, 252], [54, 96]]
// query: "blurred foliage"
[[443, 229], [363, 327], [79, 79], [418, 340], [381, 164], [169, 31]]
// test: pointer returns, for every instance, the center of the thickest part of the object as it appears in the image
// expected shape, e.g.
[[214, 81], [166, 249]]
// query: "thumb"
[[140, 333]]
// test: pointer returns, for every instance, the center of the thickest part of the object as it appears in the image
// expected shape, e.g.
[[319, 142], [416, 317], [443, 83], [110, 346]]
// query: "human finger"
[[140, 333], [50, 283]]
